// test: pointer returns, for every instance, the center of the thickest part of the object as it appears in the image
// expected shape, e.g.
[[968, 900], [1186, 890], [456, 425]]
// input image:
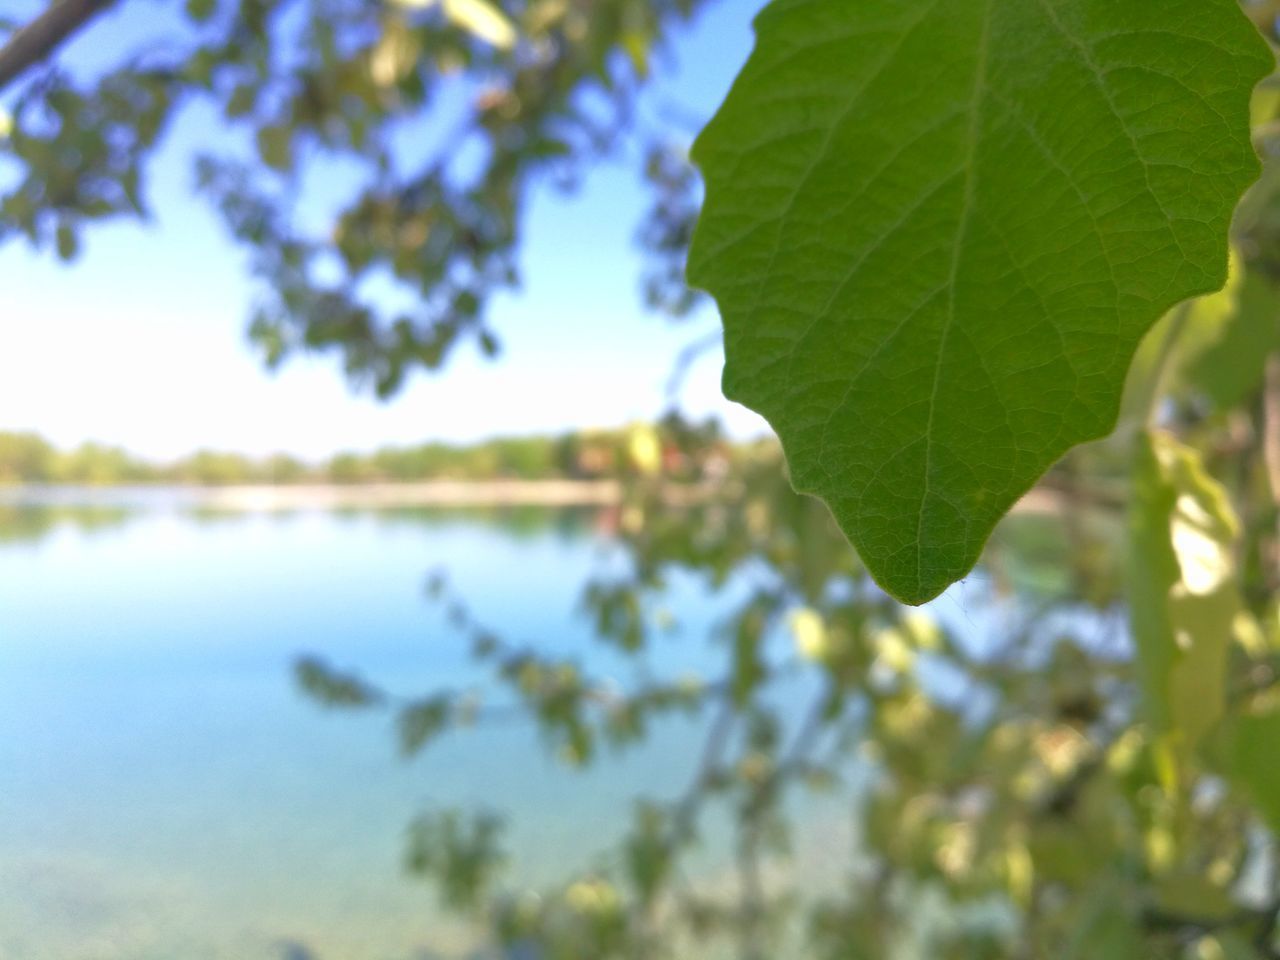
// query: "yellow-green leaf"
[[1252, 760], [1228, 347], [1183, 592]]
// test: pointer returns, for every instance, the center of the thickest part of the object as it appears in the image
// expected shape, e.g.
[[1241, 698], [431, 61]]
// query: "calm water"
[[165, 791]]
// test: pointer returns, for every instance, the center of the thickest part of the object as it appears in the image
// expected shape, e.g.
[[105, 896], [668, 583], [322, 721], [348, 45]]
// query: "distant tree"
[[215, 468], [96, 464], [350, 468], [25, 457], [284, 469]]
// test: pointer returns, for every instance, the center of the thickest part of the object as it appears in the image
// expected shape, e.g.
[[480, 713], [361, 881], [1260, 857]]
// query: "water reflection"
[[31, 516], [165, 791], [33, 523]]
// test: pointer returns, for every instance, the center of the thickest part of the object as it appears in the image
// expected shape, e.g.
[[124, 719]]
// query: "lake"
[[166, 791]]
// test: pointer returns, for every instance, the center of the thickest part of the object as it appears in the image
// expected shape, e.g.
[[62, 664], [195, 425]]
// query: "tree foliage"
[[1067, 782], [441, 115], [27, 458]]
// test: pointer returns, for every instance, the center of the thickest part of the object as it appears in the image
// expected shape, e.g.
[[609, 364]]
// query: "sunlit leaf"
[[809, 633], [1183, 595], [478, 17], [937, 233], [645, 448], [394, 55]]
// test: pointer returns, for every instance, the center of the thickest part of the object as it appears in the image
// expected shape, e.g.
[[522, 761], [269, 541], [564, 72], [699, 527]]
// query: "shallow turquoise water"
[[165, 792]]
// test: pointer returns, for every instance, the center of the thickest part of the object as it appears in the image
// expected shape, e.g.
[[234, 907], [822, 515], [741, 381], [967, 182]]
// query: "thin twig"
[[40, 38], [689, 354], [1271, 426], [686, 810]]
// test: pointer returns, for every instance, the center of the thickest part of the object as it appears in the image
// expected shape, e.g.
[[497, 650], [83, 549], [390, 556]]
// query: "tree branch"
[[42, 36], [1271, 425]]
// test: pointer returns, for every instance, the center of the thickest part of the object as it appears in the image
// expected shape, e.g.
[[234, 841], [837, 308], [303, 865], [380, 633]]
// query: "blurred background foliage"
[[1088, 766], [27, 458], [443, 115]]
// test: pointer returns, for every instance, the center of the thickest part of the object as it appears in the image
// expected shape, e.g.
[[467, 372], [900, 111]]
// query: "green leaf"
[[937, 233], [275, 146], [1228, 354], [1192, 894], [201, 10], [1233, 946], [1183, 593], [333, 688], [422, 722], [1253, 743], [1106, 929], [67, 242]]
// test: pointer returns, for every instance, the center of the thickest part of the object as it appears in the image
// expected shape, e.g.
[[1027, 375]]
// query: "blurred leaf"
[[1183, 595], [645, 449], [1230, 344], [395, 54], [809, 633], [462, 855], [241, 101], [478, 17], [1107, 929], [1233, 947], [648, 853], [422, 722], [1252, 760], [1193, 895], [68, 242], [201, 10], [275, 146], [334, 689]]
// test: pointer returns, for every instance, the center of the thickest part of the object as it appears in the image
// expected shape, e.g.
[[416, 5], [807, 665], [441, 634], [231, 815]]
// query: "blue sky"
[[141, 342]]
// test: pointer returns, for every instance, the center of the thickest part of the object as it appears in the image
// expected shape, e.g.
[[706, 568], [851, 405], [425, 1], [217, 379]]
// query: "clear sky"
[[140, 342]]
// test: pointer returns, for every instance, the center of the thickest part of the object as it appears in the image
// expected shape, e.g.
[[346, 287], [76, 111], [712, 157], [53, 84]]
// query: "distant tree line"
[[585, 455]]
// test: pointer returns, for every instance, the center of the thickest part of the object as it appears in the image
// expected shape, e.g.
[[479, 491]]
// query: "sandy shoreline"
[[444, 493], [266, 497]]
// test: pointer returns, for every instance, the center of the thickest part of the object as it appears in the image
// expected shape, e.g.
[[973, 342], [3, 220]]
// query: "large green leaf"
[[937, 232], [1183, 593]]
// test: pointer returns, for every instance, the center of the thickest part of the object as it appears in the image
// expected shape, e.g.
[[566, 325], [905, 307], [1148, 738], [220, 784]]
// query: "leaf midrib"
[[966, 216]]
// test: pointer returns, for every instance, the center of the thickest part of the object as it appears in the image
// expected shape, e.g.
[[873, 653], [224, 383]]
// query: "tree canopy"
[[949, 243], [444, 115]]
